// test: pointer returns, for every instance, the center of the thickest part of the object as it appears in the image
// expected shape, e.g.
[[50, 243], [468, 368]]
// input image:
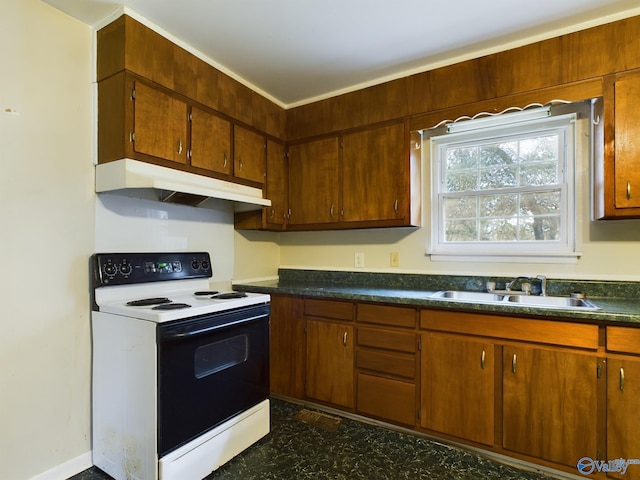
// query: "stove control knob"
[[195, 264], [110, 269], [126, 268], [205, 265]]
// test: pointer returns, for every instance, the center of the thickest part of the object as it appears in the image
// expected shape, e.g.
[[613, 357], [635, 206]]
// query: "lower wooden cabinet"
[[330, 362], [287, 363], [458, 384], [550, 404], [623, 398]]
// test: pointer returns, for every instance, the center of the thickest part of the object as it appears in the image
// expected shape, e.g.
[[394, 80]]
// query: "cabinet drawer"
[[402, 365], [387, 339], [328, 309], [387, 315], [388, 399], [622, 339]]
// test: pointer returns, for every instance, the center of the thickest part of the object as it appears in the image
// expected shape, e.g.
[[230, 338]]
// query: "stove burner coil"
[[229, 296], [171, 306], [205, 293], [145, 302]]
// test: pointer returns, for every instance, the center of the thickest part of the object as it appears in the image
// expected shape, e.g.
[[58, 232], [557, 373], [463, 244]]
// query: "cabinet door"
[[249, 155], [458, 378], [276, 184], [287, 361], [623, 413], [210, 142], [330, 362], [627, 142], [314, 182], [374, 180], [550, 404], [160, 124]]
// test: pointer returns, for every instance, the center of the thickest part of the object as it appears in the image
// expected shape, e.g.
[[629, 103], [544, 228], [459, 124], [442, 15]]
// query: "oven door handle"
[[177, 336]]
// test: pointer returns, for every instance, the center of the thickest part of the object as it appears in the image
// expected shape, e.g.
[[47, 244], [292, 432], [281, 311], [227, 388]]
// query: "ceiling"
[[298, 51]]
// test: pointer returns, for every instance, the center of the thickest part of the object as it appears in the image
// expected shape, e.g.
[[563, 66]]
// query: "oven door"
[[210, 369]]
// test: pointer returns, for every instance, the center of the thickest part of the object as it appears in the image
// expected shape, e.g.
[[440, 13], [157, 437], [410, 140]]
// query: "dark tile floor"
[[297, 451]]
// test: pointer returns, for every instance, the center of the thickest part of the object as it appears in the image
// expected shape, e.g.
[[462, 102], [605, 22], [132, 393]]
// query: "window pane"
[[495, 178], [499, 229], [540, 228], [539, 149], [540, 203], [464, 207], [504, 153], [539, 174], [459, 158], [461, 231], [462, 181], [499, 205]]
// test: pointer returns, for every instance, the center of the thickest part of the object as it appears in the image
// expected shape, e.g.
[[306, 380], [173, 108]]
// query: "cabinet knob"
[[224, 164], [179, 146], [513, 363], [628, 190], [622, 379], [344, 339], [482, 359]]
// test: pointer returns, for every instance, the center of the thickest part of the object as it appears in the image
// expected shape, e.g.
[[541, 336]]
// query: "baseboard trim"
[[67, 469]]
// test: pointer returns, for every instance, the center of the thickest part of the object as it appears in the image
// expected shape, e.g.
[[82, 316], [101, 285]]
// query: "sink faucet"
[[541, 278], [543, 284], [510, 284]]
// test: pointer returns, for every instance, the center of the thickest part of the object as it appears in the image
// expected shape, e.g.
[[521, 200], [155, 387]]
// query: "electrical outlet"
[[359, 259], [394, 259]]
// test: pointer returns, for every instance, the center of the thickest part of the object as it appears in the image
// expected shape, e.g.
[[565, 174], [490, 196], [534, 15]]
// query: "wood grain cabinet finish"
[[374, 175], [330, 351], [617, 141], [458, 385], [287, 359], [363, 179], [623, 397], [314, 182], [210, 142], [550, 404], [249, 155]]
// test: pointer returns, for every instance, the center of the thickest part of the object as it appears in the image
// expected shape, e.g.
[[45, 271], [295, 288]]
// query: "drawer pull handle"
[[482, 358], [224, 165], [628, 190], [344, 339], [180, 147], [513, 363], [622, 379]]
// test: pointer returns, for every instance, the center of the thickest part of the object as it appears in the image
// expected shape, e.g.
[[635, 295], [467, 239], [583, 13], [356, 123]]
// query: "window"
[[504, 186]]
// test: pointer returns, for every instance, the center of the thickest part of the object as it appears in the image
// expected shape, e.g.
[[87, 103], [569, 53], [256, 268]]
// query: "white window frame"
[[564, 250]]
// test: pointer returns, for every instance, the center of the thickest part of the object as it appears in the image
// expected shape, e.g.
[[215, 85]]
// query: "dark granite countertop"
[[619, 302]]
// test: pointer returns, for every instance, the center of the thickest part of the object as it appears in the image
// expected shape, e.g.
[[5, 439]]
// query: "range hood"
[[128, 176]]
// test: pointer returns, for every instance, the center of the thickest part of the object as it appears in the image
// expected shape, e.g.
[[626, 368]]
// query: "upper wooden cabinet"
[[368, 178], [274, 217], [143, 121], [249, 155], [314, 188], [210, 141], [159, 124], [374, 175], [126, 44], [617, 148]]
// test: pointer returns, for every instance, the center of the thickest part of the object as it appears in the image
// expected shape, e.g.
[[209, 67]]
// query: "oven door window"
[[220, 355]]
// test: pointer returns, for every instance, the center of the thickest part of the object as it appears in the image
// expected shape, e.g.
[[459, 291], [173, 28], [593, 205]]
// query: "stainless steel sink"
[[515, 300], [552, 302], [462, 296]]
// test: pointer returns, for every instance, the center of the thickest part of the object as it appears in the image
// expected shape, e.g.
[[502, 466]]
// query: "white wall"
[[46, 237]]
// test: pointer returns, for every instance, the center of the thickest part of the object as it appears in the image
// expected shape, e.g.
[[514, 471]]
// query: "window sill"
[[566, 258]]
